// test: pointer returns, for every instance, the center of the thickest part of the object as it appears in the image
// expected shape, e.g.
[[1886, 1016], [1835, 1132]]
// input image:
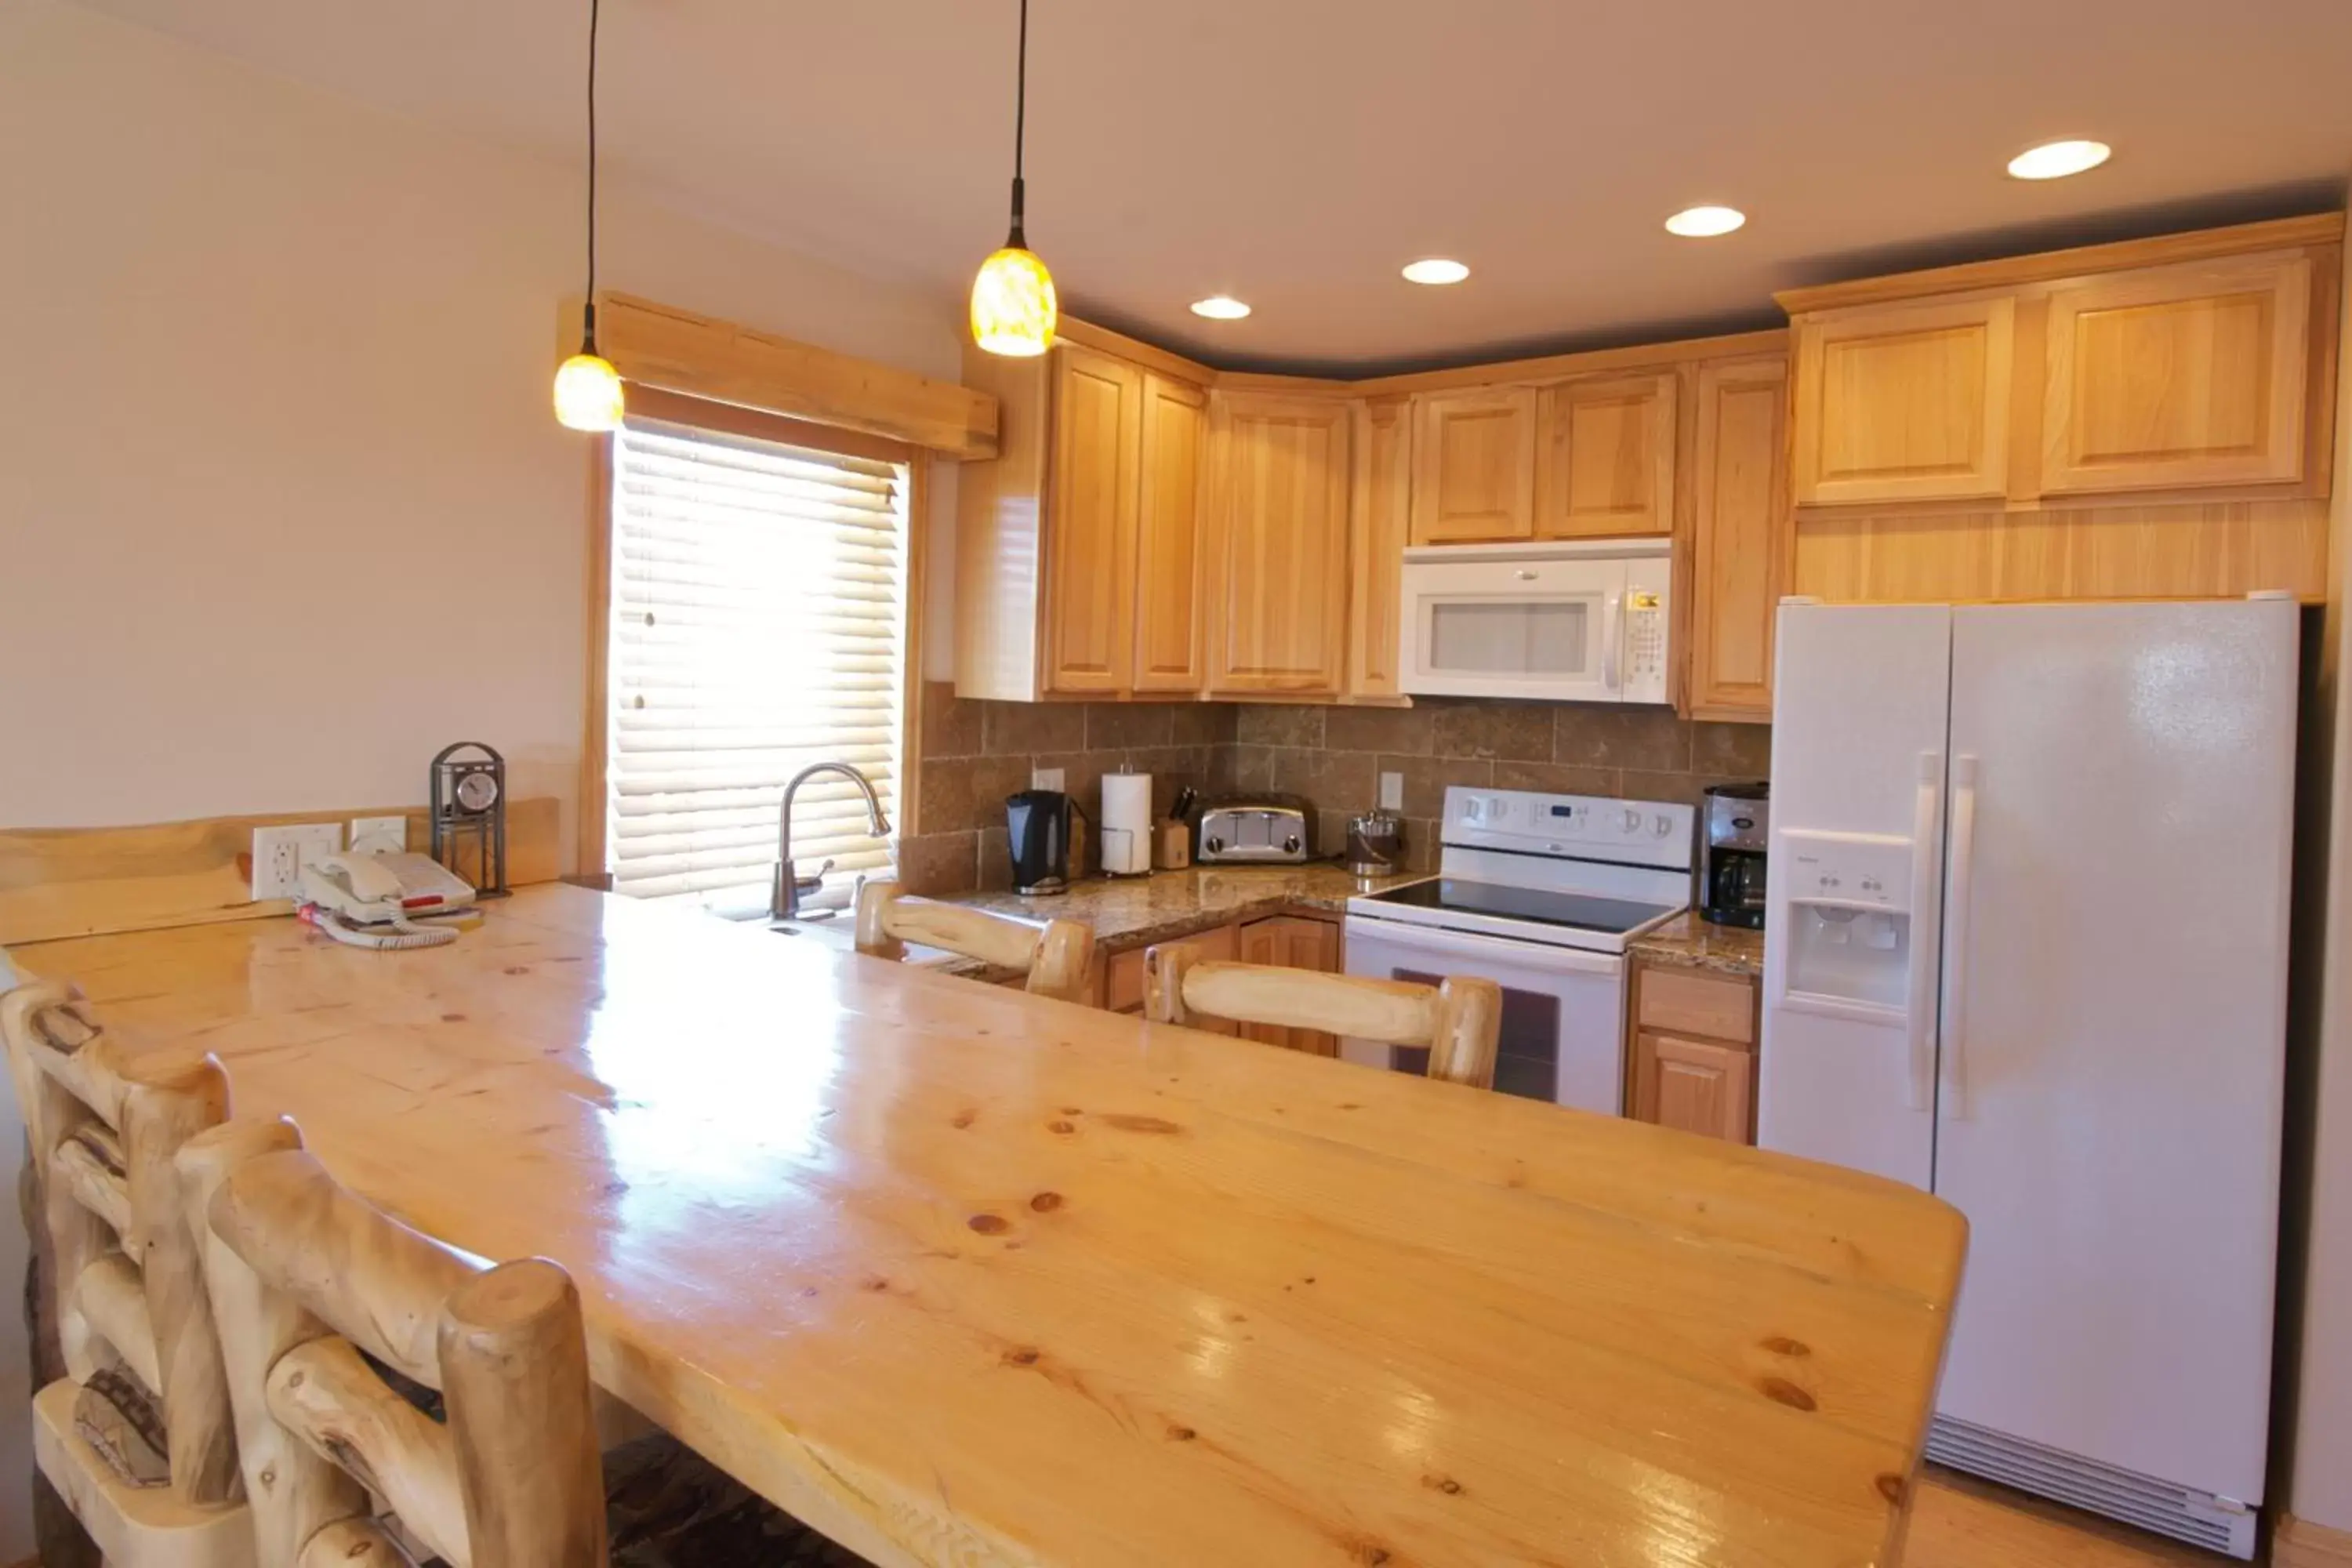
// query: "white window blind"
[[757, 625]]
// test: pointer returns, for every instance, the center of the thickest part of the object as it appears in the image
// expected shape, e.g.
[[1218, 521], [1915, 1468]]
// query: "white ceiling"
[[1295, 153]]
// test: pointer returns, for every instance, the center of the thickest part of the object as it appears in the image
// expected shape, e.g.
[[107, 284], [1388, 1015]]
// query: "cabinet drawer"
[[1123, 982], [1689, 1003]]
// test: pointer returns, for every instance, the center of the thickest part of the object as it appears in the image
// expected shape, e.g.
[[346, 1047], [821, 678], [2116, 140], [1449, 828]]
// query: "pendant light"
[[1013, 306], [587, 387]]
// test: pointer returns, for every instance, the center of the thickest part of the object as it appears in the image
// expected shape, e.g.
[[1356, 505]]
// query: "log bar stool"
[[315, 1290], [1055, 957], [137, 1438], [1458, 1020]]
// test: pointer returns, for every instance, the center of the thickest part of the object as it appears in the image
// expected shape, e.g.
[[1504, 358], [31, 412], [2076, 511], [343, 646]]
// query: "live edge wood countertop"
[[964, 1276]]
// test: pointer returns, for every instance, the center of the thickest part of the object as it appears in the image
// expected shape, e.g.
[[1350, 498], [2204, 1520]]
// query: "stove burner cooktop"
[[1576, 912]]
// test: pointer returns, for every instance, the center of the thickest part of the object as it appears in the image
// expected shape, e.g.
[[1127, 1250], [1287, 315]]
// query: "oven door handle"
[[1413, 941]]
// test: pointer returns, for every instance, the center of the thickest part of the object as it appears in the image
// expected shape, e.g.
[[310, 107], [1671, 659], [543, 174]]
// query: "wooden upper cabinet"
[[1090, 611], [1378, 525], [1742, 538], [1904, 403], [1168, 531], [1279, 576], [1605, 457], [2173, 376], [1474, 465]]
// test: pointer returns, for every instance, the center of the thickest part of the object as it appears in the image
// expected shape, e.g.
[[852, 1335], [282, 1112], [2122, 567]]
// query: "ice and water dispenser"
[[1849, 935]]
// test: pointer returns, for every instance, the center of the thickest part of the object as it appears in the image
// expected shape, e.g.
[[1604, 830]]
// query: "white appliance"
[[2026, 946], [1571, 620], [1538, 893], [1126, 824]]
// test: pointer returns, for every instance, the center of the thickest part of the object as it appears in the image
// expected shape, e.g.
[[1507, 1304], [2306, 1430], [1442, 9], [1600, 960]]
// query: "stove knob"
[[1661, 826], [1290, 844], [1632, 822]]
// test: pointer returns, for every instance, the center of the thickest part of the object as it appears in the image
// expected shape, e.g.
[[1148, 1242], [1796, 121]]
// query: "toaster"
[[1256, 829]]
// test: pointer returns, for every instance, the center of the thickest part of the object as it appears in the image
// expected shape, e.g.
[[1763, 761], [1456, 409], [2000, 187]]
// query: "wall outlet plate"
[[278, 854], [1392, 792], [1044, 778], [378, 835]]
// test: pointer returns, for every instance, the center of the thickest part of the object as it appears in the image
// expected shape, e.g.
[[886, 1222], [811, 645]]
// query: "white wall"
[[2321, 1487], [282, 507]]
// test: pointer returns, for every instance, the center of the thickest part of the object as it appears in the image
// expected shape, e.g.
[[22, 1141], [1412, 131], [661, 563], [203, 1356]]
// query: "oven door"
[[1563, 1035], [1514, 628]]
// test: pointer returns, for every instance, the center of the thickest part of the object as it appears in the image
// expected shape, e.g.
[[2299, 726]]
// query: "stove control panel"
[[1592, 827]]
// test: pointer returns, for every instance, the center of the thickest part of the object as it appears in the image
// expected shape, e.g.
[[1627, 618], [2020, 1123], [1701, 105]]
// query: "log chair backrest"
[[1458, 1020], [103, 1133], [305, 1276], [1055, 957]]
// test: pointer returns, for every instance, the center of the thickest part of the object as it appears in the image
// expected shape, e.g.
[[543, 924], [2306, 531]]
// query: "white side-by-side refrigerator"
[[2026, 947]]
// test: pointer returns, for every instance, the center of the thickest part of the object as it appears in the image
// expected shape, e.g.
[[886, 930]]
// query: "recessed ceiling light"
[[1705, 222], [1220, 307], [1436, 269], [2056, 159]]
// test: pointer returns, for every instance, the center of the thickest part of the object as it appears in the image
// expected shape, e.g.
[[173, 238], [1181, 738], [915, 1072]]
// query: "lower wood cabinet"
[[1294, 942], [1690, 1051]]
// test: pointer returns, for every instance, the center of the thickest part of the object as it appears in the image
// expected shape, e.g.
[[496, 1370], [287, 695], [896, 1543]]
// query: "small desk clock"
[[470, 809]]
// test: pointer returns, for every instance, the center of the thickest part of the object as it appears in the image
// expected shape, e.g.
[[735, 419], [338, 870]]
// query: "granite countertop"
[[1135, 911], [1691, 942]]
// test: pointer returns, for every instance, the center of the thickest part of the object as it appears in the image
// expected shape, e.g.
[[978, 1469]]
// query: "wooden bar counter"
[[961, 1276]]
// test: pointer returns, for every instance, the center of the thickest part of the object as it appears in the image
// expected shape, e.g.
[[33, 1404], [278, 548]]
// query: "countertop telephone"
[[375, 901]]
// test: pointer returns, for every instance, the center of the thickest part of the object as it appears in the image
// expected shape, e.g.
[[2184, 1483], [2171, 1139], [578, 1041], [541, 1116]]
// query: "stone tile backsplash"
[[1334, 757], [975, 753]]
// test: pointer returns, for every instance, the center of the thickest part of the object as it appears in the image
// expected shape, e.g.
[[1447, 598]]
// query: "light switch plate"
[[374, 835], [1044, 778], [1392, 792], [278, 854]]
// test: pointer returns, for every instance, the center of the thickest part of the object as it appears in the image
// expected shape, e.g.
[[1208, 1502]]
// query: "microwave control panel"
[[1644, 650]]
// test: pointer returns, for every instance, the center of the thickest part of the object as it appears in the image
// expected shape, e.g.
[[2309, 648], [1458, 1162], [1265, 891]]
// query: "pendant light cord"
[[1017, 240], [588, 339]]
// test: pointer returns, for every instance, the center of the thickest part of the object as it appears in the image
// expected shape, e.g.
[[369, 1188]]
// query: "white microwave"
[[1568, 621]]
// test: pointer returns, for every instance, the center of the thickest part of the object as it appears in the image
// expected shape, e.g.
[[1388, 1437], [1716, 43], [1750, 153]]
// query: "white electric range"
[[1539, 893]]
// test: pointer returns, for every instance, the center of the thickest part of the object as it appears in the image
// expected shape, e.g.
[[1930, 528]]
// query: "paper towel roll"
[[1126, 824]]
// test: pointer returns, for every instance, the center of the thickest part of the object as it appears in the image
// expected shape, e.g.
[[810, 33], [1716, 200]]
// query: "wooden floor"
[[1958, 1521]]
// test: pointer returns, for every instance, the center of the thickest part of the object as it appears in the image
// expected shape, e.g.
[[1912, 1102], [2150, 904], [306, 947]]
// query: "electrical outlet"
[[278, 854], [1392, 792], [377, 834], [1044, 778]]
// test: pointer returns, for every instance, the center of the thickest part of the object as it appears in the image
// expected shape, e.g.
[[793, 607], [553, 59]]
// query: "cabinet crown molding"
[[2013, 271]]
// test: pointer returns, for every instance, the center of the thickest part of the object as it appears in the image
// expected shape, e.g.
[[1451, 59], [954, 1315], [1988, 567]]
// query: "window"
[[758, 624]]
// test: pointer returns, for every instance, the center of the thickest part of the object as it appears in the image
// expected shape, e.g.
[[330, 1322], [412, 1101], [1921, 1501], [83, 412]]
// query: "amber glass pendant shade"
[[1012, 304]]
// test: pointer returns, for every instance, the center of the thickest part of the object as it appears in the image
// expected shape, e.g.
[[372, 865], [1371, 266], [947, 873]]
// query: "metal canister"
[[1375, 843]]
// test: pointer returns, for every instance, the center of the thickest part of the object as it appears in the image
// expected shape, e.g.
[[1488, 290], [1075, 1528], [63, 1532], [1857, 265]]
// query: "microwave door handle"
[[1612, 634]]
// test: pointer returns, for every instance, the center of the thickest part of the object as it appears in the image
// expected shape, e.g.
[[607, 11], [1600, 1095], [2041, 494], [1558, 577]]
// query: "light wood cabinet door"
[[1168, 534], [1278, 607], [1474, 465], [1378, 527], [2177, 376], [1089, 608], [1292, 941], [1904, 403], [1743, 537], [1122, 989], [1605, 457], [1696, 1086]]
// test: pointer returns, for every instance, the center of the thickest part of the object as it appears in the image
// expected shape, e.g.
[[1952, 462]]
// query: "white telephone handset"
[[342, 894]]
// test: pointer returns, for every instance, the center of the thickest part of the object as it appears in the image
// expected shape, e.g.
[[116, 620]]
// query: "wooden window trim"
[[730, 419]]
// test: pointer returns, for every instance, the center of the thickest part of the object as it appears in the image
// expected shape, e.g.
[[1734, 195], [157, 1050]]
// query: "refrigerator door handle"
[[1612, 634], [1921, 1094], [1959, 885]]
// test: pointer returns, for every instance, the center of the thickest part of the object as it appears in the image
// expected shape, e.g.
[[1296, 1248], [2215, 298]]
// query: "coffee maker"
[[1731, 855]]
